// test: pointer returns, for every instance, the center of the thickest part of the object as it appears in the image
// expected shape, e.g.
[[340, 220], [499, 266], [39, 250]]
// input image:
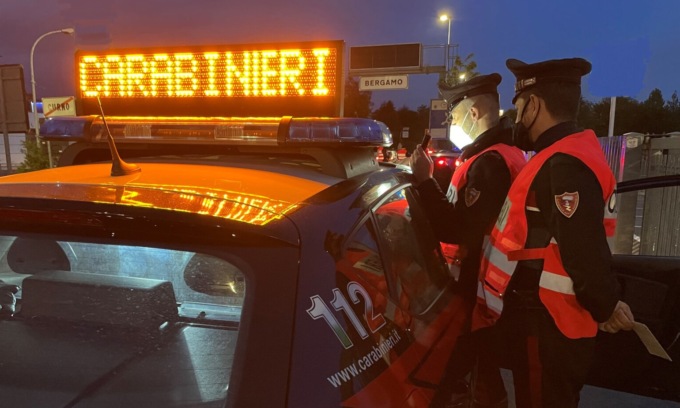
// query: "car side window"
[[415, 269], [106, 301]]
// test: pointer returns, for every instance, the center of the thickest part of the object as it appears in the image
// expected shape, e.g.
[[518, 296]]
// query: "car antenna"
[[118, 166]]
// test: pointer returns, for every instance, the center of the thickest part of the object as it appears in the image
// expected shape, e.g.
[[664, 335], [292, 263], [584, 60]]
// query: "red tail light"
[[441, 162], [458, 162]]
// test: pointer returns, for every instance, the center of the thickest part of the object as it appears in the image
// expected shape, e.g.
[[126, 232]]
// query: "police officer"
[[466, 214], [547, 272]]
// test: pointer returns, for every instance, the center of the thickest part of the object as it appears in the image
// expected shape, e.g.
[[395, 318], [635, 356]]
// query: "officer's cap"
[[477, 85], [569, 70]]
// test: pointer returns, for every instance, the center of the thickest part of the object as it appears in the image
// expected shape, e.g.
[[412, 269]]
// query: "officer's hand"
[[7, 299], [621, 319], [421, 165]]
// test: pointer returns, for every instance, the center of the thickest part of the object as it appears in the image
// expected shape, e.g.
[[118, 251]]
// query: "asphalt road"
[[595, 397]]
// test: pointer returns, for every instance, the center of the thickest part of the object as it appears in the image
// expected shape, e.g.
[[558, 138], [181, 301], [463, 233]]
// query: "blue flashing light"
[[223, 131], [339, 130], [66, 128]]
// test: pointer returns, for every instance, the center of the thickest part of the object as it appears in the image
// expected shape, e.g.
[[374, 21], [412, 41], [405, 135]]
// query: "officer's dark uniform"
[[557, 380], [458, 223], [489, 175]]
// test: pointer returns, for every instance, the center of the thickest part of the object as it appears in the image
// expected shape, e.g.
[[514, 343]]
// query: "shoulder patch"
[[567, 203], [471, 196]]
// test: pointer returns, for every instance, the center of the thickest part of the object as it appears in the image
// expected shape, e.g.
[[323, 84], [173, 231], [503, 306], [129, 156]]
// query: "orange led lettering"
[[211, 59], [221, 73], [185, 74], [257, 71], [161, 71], [88, 64], [267, 73], [231, 73], [246, 76], [321, 55], [134, 73], [114, 75], [290, 74]]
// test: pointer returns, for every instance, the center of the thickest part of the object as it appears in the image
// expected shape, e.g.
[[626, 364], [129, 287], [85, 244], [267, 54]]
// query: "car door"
[[646, 259]]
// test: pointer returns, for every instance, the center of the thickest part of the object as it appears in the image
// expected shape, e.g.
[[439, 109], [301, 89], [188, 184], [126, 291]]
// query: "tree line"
[[651, 116], [655, 115]]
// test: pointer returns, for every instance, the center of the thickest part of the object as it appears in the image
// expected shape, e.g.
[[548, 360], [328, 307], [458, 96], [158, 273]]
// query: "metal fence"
[[648, 220]]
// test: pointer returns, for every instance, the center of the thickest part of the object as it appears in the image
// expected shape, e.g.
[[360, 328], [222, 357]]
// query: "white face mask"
[[459, 136]]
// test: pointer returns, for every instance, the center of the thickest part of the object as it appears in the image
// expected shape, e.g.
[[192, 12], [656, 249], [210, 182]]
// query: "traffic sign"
[[373, 83], [59, 106], [438, 114]]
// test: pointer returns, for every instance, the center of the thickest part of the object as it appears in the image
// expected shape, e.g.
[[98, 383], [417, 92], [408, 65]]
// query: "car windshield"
[[104, 324]]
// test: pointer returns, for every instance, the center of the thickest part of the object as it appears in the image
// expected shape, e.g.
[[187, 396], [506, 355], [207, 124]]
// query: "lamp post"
[[446, 17], [36, 120]]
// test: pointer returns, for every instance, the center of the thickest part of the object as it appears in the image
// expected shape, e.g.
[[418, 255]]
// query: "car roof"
[[194, 188]]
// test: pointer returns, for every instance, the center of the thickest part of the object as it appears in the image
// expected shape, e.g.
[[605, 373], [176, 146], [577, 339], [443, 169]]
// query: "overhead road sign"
[[385, 56], [395, 59], [374, 83]]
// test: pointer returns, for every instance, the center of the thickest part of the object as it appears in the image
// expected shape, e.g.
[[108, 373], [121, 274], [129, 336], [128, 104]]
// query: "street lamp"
[[36, 120], [446, 17]]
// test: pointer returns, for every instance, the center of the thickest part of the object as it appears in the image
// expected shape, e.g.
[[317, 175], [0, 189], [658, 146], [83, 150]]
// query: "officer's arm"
[[477, 205], [581, 236]]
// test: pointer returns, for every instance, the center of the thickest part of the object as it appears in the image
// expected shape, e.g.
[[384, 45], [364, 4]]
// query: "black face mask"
[[520, 134]]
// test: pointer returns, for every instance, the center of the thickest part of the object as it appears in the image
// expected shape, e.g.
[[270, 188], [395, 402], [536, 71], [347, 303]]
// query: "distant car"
[[391, 155], [445, 162], [265, 263]]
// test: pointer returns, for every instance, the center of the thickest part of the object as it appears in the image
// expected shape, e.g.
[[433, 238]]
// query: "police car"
[[240, 262], [263, 262], [445, 162]]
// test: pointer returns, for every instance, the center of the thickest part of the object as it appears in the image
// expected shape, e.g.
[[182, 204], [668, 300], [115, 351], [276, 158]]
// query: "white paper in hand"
[[651, 343]]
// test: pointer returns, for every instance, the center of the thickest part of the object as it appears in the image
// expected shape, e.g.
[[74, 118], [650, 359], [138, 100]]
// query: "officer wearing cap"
[[465, 215], [546, 283]]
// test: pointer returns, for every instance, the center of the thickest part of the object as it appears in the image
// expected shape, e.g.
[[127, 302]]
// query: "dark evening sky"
[[634, 46]]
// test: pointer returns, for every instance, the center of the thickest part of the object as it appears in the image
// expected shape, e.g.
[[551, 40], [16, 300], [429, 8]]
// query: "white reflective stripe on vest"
[[557, 283], [492, 302], [500, 260]]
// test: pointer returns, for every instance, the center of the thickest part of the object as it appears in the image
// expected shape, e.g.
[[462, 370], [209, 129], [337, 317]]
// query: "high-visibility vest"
[[506, 245], [514, 159]]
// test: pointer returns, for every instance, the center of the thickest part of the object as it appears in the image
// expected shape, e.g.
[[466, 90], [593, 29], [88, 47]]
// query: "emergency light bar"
[[267, 131]]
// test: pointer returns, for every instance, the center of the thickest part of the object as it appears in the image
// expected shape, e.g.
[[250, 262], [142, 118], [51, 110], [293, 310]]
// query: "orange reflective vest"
[[506, 244], [514, 159]]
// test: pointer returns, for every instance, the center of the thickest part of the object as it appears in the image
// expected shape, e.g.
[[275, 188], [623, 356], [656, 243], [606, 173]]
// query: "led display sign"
[[301, 79]]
